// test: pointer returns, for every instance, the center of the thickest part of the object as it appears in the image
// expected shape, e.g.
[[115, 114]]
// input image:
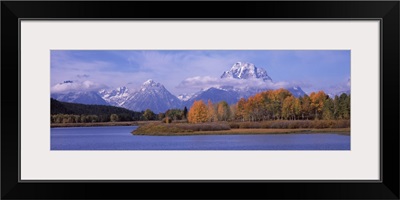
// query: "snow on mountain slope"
[[185, 97], [155, 96], [232, 93], [243, 70], [296, 91], [77, 92], [91, 98], [116, 97], [215, 95], [152, 96]]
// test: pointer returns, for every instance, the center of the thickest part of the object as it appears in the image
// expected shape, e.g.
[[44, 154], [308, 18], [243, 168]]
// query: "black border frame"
[[201, 19], [386, 11]]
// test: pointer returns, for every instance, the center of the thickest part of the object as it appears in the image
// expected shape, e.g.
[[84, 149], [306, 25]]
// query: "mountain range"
[[154, 96], [90, 97]]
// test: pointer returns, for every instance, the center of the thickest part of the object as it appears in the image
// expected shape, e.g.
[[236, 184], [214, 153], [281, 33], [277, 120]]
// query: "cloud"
[[342, 86], [183, 63], [205, 82], [73, 86], [82, 76], [197, 68]]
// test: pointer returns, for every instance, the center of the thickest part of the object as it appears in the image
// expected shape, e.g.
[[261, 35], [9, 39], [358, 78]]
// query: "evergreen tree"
[[149, 115], [114, 118], [328, 109], [185, 111]]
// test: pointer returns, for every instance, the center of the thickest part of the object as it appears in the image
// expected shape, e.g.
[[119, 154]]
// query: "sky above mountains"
[[187, 71]]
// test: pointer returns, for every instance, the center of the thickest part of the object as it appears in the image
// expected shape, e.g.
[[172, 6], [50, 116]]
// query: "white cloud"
[[342, 86], [197, 69], [204, 82], [73, 86]]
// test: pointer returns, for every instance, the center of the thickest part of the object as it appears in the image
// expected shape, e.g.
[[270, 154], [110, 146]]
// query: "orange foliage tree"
[[305, 107], [198, 112], [288, 107], [275, 105], [223, 111], [211, 114], [240, 110], [281, 104], [317, 103]]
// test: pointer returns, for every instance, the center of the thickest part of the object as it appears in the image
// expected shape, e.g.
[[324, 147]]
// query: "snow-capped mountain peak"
[[153, 96], [122, 89], [151, 83], [244, 70], [115, 97], [116, 92], [184, 97]]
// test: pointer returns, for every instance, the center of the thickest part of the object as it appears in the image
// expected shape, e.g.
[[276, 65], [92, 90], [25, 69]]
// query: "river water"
[[120, 138]]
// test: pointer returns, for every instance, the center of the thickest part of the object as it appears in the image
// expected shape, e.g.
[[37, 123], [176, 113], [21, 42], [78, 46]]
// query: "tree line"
[[273, 105], [63, 112], [268, 105], [71, 118], [172, 114], [200, 112]]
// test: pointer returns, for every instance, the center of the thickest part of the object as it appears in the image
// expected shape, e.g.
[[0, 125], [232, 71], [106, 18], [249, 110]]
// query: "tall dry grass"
[[152, 128], [292, 124]]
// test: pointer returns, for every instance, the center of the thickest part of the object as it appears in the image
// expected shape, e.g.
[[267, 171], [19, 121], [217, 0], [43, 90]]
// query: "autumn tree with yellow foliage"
[[273, 105], [317, 103], [198, 113], [223, 111], [211, 113], [281, 104]]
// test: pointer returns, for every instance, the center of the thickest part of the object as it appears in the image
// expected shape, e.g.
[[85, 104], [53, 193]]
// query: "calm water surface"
[[120, 138]]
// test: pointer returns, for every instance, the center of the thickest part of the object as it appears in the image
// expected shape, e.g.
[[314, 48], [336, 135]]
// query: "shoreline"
[[256, 131], [66, 125], [231, 131]]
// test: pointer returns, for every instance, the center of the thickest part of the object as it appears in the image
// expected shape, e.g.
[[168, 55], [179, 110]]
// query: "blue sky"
[[311, 70]]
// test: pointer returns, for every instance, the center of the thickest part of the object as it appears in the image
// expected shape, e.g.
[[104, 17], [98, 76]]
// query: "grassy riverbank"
[[344, 131], [223, 128]]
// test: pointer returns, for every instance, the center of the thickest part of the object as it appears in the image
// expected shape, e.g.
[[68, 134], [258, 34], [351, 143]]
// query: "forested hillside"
[[88, 113]]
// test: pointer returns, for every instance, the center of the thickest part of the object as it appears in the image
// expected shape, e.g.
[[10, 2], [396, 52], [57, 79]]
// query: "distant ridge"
[[58, 107]]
